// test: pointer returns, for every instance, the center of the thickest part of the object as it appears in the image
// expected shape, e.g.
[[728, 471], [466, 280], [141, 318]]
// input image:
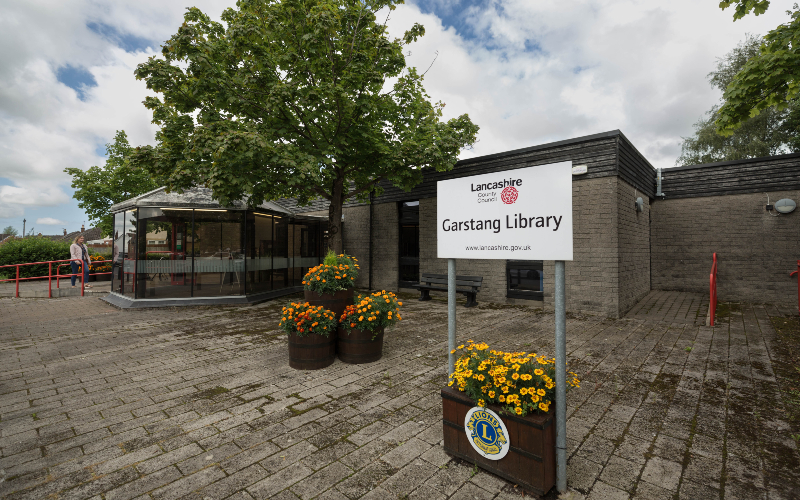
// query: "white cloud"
[[44, 126], [41, 195], [534, 72], [527, 73], [49, 221], [10, 212]]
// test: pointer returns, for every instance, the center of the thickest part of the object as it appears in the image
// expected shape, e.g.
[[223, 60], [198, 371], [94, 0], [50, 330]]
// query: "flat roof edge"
[[734, 162], [565, 142]]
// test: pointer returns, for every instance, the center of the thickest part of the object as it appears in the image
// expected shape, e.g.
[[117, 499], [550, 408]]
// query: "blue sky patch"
[[452, 15], [77, 78], [126, 41]]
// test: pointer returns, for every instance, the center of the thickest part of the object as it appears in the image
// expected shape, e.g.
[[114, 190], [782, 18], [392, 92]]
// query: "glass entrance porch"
[[204, 253]]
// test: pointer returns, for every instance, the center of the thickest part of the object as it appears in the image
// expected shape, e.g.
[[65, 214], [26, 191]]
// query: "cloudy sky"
[[527, 71]]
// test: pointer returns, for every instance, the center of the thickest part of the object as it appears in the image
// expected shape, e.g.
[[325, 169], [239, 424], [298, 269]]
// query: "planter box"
[[531, 459], [336, 302], [357, 347], [312, 351]]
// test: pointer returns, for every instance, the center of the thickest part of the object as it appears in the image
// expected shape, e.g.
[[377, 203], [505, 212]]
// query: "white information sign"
[[521, 214]]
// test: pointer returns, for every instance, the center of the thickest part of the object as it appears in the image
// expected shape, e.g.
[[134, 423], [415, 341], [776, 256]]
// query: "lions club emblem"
[[486, 433]]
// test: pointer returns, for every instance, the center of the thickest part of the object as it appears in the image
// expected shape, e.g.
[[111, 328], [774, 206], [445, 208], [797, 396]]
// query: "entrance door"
[[409, 243]]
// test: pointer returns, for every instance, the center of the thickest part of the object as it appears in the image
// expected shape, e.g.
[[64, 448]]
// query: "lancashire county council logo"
[[509, 195], [486, 433]]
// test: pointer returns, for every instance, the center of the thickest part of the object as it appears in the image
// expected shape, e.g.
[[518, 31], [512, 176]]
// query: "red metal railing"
[[798, 284], [50, 275], [712, 304]]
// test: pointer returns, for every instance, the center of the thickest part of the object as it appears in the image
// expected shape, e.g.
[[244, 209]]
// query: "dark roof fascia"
[[515, 152], [637, 152], [733, 162]]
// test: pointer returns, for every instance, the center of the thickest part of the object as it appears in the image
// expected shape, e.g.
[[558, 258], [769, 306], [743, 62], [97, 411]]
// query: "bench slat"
[[460, 280], [427, 276]]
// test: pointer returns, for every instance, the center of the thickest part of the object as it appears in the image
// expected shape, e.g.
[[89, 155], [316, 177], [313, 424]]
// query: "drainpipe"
[[658, 183], [371, 202]]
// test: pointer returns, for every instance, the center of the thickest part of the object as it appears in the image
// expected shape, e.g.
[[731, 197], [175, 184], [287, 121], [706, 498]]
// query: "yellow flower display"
[[512, 379]]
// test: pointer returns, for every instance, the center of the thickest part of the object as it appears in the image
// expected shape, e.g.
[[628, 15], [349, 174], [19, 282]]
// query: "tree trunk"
[[335, 217]]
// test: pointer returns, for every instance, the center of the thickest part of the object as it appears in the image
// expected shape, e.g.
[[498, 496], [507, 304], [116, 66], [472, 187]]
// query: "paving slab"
[[200, 402]]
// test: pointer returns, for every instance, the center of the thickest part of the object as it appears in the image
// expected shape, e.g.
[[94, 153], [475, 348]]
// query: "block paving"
[[200, 403]]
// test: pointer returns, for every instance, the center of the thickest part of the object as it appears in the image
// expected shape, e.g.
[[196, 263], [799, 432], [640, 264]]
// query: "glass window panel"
[[117, 252], [280, 255], [409, 243], [525, 279], [129, 247], [164, 271], [259, 253], [218, 242], [307, 249]]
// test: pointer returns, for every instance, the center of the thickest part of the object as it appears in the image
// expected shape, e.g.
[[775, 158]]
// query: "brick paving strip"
[[200, 403]]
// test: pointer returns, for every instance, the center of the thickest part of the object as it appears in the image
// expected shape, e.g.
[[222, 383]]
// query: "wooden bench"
[[467, 285]]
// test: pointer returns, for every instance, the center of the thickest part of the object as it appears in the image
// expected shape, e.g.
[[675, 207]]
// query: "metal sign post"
[[451, 315], [561, 379], [518, 214]]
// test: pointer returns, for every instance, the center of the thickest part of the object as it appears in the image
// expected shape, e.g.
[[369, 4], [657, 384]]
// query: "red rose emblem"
[[509, 195]]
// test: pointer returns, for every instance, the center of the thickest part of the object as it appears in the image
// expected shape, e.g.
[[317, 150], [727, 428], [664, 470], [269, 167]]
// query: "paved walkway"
[[200, 403], [39, 289]]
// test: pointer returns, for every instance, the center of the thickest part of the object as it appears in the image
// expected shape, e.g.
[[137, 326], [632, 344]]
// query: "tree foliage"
[[771, 132], [294, 98], [9, 230], [771, 79], [98, 188], [744, 7]]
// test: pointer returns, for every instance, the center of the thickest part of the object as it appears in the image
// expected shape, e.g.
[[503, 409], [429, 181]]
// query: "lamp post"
[[23, 227]]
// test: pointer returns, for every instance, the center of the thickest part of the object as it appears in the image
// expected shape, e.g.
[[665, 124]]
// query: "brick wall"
[[634, 247], [592, 276], [493, 271], [356, 239], [755, 251], [609, 273], [386, 247]]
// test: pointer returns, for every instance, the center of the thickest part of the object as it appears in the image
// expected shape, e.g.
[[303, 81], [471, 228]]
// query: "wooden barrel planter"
[[358, 347], [531, 458], [312, 351], [336, 302]]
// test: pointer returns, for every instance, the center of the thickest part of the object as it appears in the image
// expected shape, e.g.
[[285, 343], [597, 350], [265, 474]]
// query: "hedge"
[[32, 249]]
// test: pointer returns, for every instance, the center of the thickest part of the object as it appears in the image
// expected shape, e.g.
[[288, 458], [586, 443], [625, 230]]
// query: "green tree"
[[294, 98], [768, 133], [771, 79], [97, 188], [9, 230]]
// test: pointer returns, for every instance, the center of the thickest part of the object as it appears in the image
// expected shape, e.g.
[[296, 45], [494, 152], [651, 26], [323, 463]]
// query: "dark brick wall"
[[755, 251]]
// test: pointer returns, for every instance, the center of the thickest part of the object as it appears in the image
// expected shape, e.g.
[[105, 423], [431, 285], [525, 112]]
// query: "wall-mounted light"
[[639, 204], [580, 169], [785, 206]]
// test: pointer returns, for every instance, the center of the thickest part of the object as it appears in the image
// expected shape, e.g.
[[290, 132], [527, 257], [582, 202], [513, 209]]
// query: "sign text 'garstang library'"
[[517, 221]]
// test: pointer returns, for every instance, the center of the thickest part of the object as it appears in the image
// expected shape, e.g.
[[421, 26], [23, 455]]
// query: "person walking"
[[78, 251]]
